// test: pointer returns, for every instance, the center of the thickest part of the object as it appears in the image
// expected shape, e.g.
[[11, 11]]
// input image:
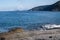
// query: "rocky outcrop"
[[32, 35], [53, 7], [16, 29]]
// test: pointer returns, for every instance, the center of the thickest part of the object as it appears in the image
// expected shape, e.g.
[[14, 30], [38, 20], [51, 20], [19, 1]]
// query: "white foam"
[[51, 26]]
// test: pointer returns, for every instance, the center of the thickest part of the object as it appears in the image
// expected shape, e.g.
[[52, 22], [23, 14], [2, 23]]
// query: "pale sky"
[[23, 4]]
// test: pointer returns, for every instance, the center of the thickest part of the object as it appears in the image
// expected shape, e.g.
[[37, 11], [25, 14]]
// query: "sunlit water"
[[24, 18]]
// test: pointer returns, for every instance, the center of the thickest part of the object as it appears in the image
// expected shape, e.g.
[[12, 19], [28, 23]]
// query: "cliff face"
[[53, 7]]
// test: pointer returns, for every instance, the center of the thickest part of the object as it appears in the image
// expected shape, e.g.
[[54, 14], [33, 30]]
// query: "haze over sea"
[[10, 19]]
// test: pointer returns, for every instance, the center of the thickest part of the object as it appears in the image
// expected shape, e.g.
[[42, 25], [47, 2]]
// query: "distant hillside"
[[53, 7]]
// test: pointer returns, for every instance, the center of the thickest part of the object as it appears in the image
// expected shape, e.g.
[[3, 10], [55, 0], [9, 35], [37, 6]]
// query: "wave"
[[49, 26], [43, 26], [36, 26]]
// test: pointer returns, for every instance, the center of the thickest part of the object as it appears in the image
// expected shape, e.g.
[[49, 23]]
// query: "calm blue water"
[[24, 18]]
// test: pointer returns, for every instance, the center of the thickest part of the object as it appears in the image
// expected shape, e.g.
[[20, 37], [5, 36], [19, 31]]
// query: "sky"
[[6, 5]]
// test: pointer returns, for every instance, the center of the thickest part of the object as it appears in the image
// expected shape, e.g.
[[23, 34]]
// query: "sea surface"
[[11, 19]]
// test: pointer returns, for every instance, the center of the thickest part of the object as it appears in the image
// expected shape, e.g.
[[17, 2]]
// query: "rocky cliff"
[[53, 7]]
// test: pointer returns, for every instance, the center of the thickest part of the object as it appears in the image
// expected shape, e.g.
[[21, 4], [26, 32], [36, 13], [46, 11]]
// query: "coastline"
[[21, 34]]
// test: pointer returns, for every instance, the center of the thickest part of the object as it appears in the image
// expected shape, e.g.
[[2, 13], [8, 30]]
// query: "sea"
[[11, 19]]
